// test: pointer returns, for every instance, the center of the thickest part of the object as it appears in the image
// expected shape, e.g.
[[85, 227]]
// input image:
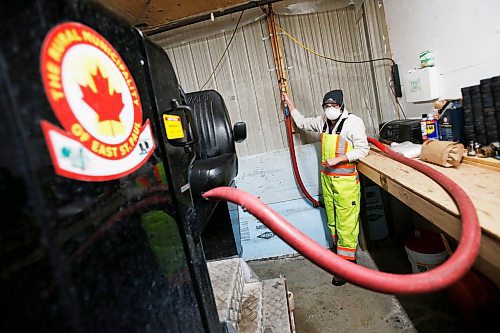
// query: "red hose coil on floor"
[[442, 276]]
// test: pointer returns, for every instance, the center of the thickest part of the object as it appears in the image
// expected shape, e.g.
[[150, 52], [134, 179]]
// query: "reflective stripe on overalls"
[[341, 193]]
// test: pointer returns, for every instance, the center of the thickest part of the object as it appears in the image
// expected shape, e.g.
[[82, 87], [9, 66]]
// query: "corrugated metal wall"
[[246, 76], [379, 47]]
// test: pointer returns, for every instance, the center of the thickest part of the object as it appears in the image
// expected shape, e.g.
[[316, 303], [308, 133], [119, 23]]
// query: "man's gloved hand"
[[288, 101]]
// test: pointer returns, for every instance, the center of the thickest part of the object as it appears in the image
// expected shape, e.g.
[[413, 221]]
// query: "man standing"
[[343, 142]]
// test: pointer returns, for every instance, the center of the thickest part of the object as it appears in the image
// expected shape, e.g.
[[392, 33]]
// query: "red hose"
[[291, 146], [440, 277]]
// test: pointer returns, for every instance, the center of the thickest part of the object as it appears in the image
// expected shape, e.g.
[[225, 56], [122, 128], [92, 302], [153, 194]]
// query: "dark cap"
[[334, 96]]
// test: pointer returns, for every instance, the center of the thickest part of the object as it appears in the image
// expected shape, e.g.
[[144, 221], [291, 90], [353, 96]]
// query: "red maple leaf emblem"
[[107, 106]]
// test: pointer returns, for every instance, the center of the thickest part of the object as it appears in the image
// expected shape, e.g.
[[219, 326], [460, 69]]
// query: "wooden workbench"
[[480, 178]]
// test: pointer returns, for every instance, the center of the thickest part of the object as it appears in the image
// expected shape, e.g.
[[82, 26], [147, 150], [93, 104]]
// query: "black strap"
[[325, 126], [339, 128]]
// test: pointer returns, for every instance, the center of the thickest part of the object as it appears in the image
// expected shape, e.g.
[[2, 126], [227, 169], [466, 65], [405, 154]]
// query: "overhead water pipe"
[[153, 30]]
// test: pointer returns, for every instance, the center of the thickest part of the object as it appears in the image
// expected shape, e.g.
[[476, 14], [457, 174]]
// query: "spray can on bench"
[[432, 129], [423, 127]]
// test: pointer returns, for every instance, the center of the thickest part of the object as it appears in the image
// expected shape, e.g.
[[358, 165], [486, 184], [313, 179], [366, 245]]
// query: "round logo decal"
[[94, 97]]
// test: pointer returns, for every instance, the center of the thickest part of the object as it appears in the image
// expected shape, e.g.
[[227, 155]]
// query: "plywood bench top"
[[482, 184]]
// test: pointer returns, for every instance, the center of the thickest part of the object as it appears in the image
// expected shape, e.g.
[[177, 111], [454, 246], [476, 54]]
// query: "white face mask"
[[332, 113]]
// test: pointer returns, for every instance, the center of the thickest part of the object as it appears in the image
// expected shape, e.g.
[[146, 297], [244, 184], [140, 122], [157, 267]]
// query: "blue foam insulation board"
[[269, 176]]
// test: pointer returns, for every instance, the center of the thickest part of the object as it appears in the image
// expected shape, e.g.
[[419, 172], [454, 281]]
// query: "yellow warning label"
[[173, 126]]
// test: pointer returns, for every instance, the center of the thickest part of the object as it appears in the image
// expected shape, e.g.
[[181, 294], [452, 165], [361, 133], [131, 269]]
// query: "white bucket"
[[421, 262]]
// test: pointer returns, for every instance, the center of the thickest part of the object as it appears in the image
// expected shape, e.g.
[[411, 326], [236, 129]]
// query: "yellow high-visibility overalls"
[[341, 193]]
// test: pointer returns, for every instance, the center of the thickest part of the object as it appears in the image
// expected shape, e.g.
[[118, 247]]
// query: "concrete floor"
[[322, 308]]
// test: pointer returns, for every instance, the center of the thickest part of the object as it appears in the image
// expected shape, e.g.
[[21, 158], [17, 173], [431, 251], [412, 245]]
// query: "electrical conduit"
[[442, 276]]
